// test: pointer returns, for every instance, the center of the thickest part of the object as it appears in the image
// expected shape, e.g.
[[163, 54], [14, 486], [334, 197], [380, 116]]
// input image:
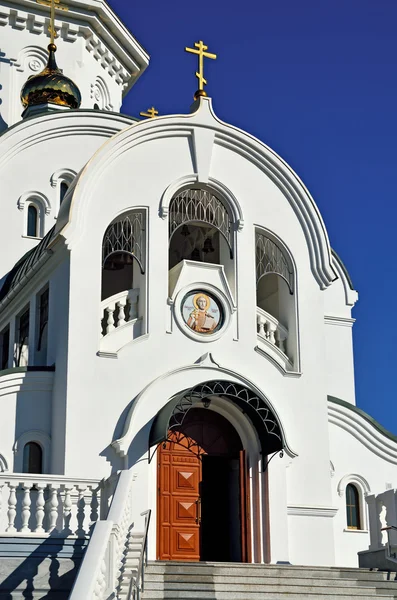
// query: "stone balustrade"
[[118, 310], [43, 505], [271, 330]]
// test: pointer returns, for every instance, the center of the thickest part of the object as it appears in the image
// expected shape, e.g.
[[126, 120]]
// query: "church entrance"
[[203, 492]]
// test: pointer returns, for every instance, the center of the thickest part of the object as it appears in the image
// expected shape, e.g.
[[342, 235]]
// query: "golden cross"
[[151, 113], [200, 50], [52, 4]]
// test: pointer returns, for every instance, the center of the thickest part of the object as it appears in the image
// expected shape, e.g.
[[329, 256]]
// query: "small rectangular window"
[[4, 348], [43, 320], [23, 340]]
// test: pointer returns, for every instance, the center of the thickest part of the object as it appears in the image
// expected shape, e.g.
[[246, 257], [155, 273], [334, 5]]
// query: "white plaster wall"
[[25, 406], [351, 457], [38, 148], [339, 300], [339, 359]]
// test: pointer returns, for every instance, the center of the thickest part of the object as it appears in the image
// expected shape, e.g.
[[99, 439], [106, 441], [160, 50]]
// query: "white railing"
[[102, 565], [43, 505], [270, 329], [118, 310]]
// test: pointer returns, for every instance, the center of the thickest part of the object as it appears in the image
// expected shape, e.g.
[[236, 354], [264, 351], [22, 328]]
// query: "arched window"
[[200, 229], [123, 272], [353, 516], [32, 221], [63, 188], [32, 458], [275, 300]]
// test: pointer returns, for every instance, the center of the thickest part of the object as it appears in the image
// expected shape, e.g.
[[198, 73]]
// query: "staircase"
[[236, 581], [130, 563]]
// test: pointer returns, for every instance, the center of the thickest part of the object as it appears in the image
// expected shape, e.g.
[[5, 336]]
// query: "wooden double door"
[[203, 499]]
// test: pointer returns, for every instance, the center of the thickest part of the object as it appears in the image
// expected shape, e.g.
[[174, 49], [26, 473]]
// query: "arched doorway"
[[203, 502]]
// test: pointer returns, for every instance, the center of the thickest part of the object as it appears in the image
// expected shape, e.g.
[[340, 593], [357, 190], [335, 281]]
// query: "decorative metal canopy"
[[200, 206], [171, 416], [270, 259], [126, 235]]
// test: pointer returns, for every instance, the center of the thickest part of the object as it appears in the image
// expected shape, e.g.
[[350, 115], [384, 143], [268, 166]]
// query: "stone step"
[[279, 586], [239, 569], [244, 595], [154, 581]]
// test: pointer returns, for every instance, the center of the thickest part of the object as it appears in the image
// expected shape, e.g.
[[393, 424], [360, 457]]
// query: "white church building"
[[176, 354]]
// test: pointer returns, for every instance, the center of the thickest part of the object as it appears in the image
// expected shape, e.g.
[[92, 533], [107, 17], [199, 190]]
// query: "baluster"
[[271, 329], [11, 513], [133, 296], [261, 325], [121, 306], [53, 506], [67, 509], [281, 337], [81, 510], [94, 507], [110, 320], [26, 502], [40, 503]]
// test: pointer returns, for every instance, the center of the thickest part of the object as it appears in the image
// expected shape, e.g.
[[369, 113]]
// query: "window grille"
[[43, 316], [126, 235], [270, 259], [200, 206], [353, 507], [5, 344], [23, 336]]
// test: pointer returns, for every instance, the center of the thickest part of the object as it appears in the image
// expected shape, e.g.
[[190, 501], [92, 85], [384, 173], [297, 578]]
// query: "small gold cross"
[[200, 50], [151, 113], [51, 4]]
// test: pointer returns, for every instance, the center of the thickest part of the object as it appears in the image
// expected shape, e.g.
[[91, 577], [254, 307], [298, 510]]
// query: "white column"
[[278, 517]]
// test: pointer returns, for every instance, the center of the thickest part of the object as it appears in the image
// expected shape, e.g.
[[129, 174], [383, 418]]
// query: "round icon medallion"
[[202, 312]]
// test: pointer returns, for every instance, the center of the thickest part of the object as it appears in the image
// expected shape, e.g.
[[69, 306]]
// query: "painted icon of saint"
[[200, 320]]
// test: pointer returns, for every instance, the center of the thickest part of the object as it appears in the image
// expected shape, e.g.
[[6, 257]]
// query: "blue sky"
[[317, 81]]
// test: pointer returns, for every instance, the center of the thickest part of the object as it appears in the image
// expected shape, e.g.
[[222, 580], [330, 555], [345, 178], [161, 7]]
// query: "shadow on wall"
[[50, 568]]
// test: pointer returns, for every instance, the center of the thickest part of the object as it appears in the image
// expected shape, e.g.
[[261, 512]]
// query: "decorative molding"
[[366, 430], [198, 374], [357, 480], [31, 57], [58, 125], [351, 296], [341, 321], [277, 358], [111, 44], [21, 379], [35, 197], [206, 360], [203, 142], [62, 175], [234, 140], [100, 94], [301, 510], [213, 185]]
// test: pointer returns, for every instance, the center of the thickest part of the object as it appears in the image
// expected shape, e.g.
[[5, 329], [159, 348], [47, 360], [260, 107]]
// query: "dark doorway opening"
[[220, 509]]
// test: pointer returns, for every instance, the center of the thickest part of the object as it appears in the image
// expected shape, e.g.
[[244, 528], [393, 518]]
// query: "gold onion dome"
[[50, 86]]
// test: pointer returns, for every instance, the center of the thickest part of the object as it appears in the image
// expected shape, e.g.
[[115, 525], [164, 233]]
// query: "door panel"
[[179, 481], [245, 509]]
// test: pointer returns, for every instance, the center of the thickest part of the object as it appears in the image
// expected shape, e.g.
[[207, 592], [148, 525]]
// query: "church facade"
[[173, 316]]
